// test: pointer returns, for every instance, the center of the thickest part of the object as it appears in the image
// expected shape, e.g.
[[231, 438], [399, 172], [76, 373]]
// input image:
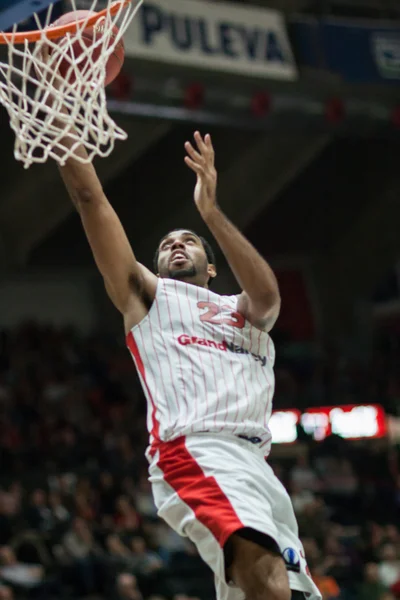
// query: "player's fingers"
[[194, 166], [193, 153], [209, 144], [205, 147], [200, 143]]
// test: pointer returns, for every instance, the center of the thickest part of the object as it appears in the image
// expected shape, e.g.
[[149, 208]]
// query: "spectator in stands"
[[326, 584], [126, 517], [58, 511], [119, 555], [313, 519], [342, 480], [129, 489], [371, 588], [191, 576], [23, 576], [301, 497], [387, 596], [303, 476], [6, 593], [108, 492], [164, 539], [126, 587], [10, 505], [145, 561], [38, 515], [81, 556], [78, 542], [338, 561], [319, 568], [375, 540], [127, 456], [144, 498], [389, 566], [391, 534]]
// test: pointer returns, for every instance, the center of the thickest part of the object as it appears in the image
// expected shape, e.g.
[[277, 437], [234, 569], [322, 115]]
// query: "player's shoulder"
[[227, 299], [195, 293]]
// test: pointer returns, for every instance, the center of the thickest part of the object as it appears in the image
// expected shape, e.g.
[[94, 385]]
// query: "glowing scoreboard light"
[[283, 426], [351, 422]]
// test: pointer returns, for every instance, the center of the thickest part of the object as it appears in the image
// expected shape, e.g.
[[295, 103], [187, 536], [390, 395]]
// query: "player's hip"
[[184, 412], [248, 434]]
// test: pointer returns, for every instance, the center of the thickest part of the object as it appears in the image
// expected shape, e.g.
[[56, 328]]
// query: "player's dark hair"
[[207, 248]]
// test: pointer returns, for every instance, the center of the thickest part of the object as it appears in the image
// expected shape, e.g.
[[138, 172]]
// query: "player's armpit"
[[134, 298], [136, 302], [263, 315]]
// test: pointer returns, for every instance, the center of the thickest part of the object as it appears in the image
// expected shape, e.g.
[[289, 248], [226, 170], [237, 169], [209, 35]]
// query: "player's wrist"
[[210, 213]]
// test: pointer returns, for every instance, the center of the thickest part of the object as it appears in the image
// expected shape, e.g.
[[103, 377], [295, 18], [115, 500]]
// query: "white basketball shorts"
[[207, 486]]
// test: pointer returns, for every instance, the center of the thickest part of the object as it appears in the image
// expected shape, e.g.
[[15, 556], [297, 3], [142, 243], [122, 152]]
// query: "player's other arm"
[[126, 280], [260, 300]]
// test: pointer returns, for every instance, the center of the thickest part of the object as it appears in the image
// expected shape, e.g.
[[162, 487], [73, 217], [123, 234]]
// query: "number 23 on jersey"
[[220, 315]]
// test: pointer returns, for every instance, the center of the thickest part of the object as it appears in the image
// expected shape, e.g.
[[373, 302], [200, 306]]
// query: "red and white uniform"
[[202, 366], [207, 374]]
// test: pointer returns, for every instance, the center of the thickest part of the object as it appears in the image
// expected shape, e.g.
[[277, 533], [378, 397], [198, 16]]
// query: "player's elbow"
[[266, 296], [274, 310], [85, 196], [276, 302], [269, 308], [264, 311], [269, 302]]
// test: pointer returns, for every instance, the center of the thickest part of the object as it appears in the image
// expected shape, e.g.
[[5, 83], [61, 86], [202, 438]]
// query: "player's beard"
[[184, 273]]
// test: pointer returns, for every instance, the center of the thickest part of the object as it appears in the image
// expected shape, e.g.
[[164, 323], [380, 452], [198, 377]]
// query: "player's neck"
[[191, 281]]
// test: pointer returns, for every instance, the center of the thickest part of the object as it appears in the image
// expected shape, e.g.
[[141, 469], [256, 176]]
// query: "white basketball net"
[[52, 116]]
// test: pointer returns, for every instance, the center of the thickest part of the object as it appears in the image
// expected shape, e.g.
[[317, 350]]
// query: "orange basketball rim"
[[55, 32]]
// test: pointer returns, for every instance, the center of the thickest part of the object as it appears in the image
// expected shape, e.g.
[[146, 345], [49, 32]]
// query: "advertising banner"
[[360, 52], [21, 12], [247, 41]]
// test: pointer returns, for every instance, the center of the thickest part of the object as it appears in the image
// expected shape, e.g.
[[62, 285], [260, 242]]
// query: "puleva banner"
[[215, 37]]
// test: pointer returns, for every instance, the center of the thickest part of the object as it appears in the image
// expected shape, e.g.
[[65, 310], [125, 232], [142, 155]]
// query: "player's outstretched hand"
[[201, 161]]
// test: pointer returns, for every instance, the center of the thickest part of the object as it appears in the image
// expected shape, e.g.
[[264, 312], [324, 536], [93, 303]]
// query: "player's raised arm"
[[126, 280], [259, 301]]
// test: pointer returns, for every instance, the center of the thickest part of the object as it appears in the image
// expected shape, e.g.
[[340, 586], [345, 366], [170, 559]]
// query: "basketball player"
[[205, 362]]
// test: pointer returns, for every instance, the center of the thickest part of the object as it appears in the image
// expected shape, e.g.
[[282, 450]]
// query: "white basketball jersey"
[[202, 366]]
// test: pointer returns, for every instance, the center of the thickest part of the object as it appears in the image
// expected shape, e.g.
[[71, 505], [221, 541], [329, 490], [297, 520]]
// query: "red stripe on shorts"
[[131, 343], [201, 493]]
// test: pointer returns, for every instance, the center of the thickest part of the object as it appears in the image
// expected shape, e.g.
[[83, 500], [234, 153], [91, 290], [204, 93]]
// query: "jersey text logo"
[[187, 340]]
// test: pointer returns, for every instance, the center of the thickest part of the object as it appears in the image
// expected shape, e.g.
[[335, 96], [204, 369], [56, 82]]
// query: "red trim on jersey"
[[131, 343], [201, 493]]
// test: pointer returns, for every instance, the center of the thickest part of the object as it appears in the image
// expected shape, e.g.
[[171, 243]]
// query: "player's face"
[[182, 256]]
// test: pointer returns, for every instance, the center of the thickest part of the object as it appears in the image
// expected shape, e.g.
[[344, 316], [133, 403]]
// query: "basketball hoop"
[[53, 83]]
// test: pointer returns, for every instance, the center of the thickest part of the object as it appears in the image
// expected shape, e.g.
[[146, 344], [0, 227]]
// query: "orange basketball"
[[114, 62]]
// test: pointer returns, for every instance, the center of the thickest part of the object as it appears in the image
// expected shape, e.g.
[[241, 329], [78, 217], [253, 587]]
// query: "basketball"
[[87, 38]]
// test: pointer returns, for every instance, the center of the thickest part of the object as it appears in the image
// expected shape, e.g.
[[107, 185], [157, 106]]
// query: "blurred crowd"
[[77, 519], [328, 377]]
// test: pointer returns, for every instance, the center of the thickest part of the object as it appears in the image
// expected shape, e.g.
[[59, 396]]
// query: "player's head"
[[184, 255]]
